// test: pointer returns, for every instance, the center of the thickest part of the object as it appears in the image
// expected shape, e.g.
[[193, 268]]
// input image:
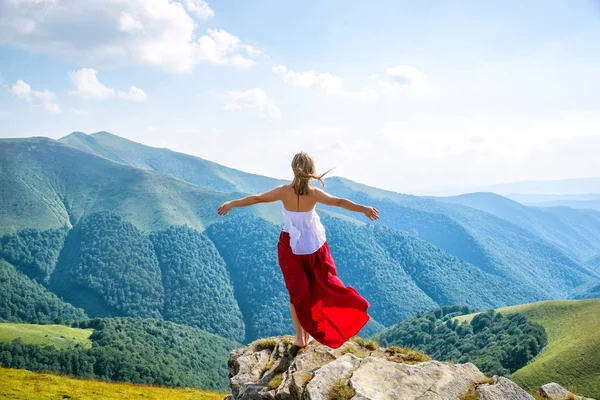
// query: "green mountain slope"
[[490, 243], [24, 300], [574, 231], [49, 185], [188, 168], [571, 357]]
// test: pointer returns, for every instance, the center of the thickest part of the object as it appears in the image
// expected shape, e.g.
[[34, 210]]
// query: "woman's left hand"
[[224, 208]]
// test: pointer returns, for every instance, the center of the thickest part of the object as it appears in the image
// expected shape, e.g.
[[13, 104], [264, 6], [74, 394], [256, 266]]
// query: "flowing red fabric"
[[331, 312]]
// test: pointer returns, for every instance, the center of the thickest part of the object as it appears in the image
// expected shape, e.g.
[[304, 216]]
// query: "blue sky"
[[406, 95]]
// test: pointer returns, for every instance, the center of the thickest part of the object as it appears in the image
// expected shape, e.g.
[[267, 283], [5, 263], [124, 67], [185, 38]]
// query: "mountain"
[[557, 187], [118, 240], [571, 357], [577, 204], [579, 242], [102, 253], [594, 262], [492, 244], [575, 231], [188, 168], [532, 199], [50, 185]]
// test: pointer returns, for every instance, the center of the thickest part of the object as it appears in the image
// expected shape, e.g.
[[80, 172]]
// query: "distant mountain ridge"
[[188, 168], [573, 186], [575, 231]]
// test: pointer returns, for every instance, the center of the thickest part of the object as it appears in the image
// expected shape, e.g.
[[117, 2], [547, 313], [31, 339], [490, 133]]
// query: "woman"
[[320, 305]]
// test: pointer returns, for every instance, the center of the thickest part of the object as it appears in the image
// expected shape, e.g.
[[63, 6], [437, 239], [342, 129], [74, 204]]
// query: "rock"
[[427, 380], [554, 391], [339, 370], [502, 389], [273, 369]]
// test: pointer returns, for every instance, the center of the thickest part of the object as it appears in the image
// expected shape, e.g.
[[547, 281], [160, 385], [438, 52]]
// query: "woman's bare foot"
[[307, 338], [300, 342]]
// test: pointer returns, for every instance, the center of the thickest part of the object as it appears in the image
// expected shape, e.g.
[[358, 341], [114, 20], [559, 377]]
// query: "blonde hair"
[[305, 170]]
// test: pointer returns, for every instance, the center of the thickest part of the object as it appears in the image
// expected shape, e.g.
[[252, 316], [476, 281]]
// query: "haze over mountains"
[[108, 217]]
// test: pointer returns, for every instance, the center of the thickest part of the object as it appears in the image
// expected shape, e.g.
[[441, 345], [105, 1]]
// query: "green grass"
[[572, 357], [340, 390], [275, 381], [408, 355], [264, 344], [44, 335], [19, 384]]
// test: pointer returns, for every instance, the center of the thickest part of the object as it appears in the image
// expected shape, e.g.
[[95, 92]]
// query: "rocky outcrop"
[[553, 391], [274, 369], [501, 389]]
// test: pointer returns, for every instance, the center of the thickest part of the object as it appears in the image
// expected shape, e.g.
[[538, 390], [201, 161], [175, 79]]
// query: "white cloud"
[[200, 8], [253, 98], [221, 47], [330, 84], [397, 80], [118, 32], [88, 86], [133, 94], [23, 90]]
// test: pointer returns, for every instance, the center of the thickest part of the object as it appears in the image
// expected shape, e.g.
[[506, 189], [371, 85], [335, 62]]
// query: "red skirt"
[[331, 312]]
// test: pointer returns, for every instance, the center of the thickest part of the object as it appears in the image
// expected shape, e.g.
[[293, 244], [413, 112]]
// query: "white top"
[[307, 233]]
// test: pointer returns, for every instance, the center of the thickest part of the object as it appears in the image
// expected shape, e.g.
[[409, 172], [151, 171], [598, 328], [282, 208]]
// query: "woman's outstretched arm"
[[266, 197], [325, 198]]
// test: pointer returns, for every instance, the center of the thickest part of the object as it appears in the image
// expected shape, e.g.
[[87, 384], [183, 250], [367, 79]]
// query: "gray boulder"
[[502, 389], [377, 377], [554, 391]]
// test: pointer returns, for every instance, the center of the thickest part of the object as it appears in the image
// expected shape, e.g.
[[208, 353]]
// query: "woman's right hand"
[[372, 213], [224, 208]]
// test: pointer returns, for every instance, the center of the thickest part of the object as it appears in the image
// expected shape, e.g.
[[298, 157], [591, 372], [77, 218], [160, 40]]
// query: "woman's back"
[[293, 202], [304, 226]]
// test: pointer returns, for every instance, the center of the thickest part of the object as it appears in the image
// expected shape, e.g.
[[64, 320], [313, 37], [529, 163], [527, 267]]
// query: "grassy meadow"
[[60, 336], [19, 384], [571, 357]]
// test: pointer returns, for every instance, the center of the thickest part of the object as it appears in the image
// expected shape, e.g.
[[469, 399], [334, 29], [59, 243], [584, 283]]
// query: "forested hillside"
[[492, 244], [386, 266], [24, 300], [196, 283], [497, 344], [576, 232], [133, 350]]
